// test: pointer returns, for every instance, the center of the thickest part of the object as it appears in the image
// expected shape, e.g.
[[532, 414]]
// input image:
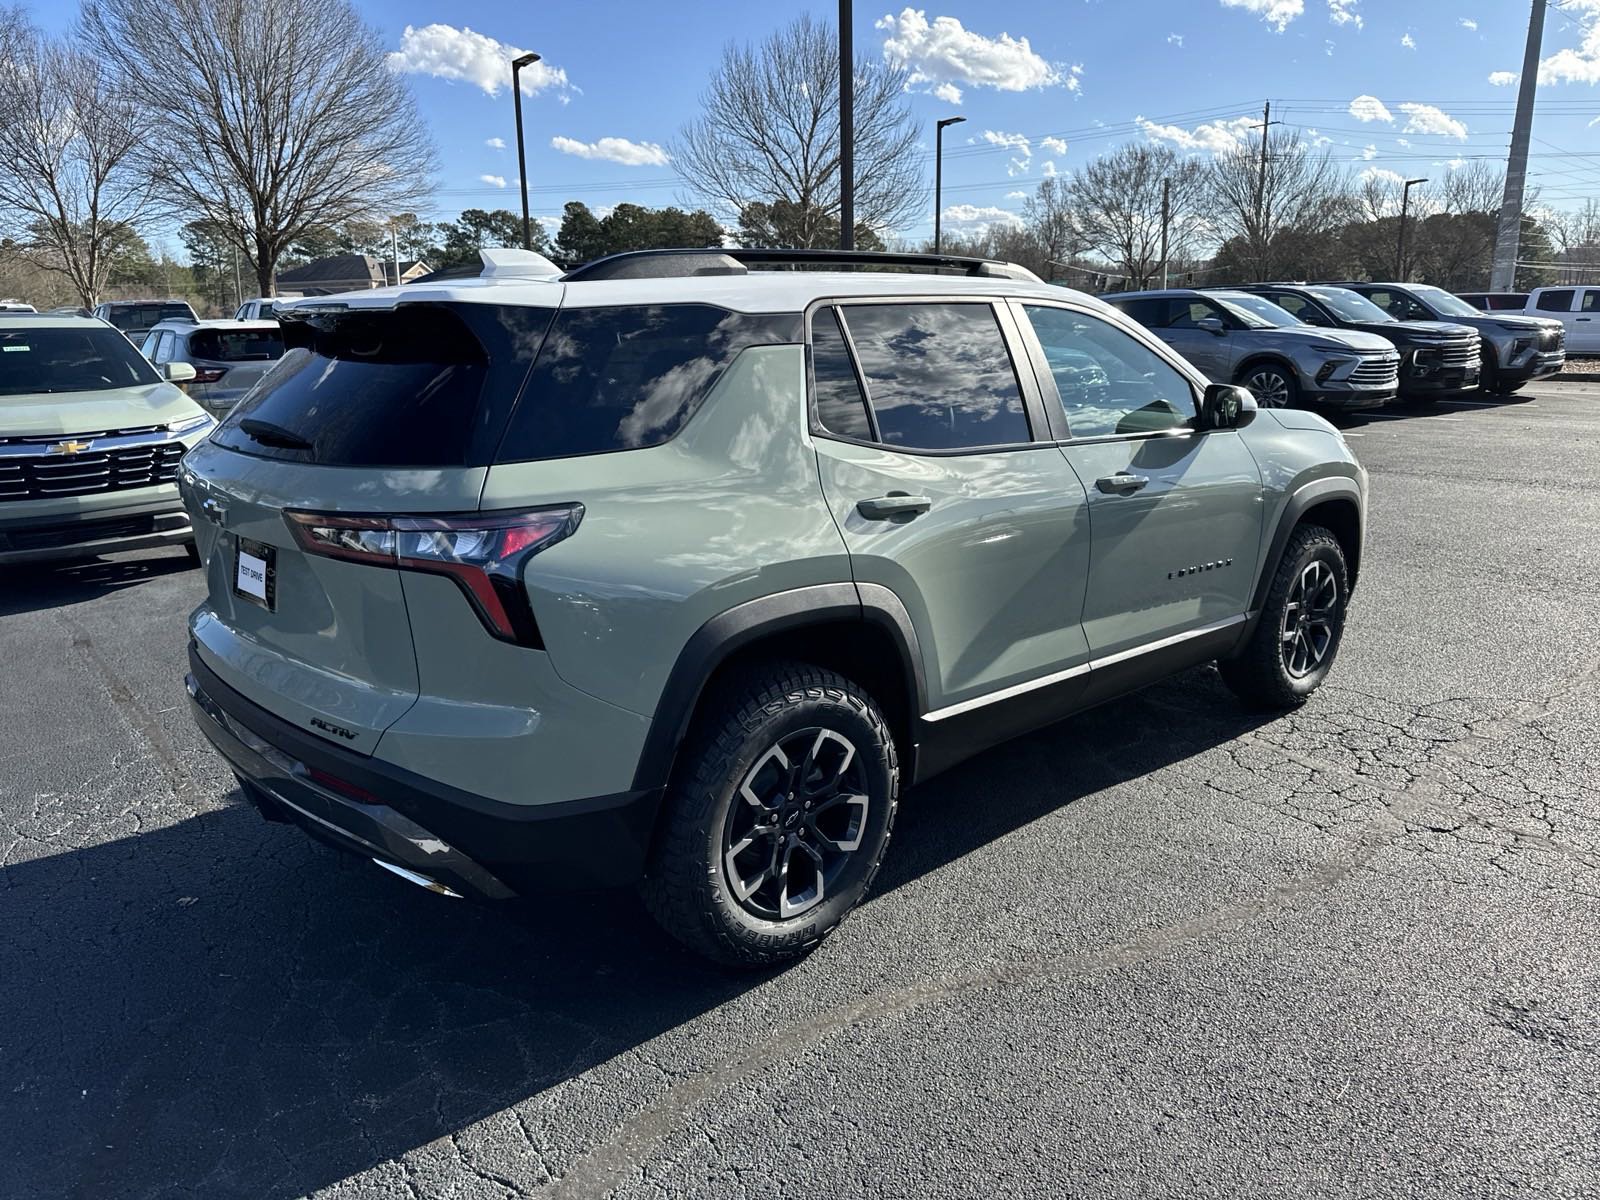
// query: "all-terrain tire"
[[1271, 671], [687, 886]]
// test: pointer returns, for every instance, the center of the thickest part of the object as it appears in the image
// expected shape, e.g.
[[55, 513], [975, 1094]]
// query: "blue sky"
[[1394, 85]]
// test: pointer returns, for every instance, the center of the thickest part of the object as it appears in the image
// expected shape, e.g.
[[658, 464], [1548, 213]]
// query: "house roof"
[[340, 268]]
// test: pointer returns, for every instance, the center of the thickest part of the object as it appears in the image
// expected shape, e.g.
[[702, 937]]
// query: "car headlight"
[[190, 424]]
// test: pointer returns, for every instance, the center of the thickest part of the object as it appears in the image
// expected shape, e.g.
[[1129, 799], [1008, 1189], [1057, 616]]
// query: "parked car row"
[[1349, 345]]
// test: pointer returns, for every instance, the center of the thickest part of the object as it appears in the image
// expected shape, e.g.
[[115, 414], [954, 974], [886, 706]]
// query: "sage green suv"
[[674, 571]]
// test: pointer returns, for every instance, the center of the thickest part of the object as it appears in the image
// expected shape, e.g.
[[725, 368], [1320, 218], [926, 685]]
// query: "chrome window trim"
[[1029, 685]]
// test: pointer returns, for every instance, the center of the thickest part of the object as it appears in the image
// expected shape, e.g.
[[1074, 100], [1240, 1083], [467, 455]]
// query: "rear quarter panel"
[[729, 510]]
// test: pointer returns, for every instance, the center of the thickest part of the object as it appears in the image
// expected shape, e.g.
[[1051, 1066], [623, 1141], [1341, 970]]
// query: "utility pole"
[[394, 241], [1261, 190], [238, 288], [1400, 248], [1166, 216], [847, 127], [1508, 235]]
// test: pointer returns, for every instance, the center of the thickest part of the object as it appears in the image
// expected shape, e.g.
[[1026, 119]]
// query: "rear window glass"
[[938, 376], [143, 316], [622, 378], [236, 345], [1556, 301], [421, 385], [69, 360]]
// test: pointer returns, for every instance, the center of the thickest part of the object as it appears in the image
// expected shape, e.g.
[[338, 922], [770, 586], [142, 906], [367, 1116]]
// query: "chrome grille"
[[1552, 339], [45, 476], [1466, 353], [1377, 372]]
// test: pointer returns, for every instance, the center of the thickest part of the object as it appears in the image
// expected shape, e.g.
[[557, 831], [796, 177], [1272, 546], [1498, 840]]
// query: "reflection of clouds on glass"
[[939, 375], [1103, 375]]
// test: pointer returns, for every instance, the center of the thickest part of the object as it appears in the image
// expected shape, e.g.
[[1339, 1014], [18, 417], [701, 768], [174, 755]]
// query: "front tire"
[[1273, 383], [1297, 635], [778, 817]]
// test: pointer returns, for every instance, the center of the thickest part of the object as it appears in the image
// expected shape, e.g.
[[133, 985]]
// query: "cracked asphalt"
[[1167, 949]]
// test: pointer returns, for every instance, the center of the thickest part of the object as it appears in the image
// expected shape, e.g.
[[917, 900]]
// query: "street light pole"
[[847, 127], [938, 173], [1400, 250], [527, 60]]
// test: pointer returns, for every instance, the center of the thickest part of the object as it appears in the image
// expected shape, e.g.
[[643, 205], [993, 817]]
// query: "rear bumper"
[[139, 526], [455, 842]]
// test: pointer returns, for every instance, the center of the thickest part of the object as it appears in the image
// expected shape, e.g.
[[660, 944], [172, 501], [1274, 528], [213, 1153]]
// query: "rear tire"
[[1273, 384], [796, 765], [1297, 636]]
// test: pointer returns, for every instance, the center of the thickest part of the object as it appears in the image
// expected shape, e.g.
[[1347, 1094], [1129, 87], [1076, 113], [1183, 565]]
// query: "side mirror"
[[176, 372], [1226, 406], [1212, 325]]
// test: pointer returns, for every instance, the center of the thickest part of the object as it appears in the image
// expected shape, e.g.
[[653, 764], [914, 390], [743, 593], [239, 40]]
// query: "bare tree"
[[1117, 198], [1049, 218], [1575, 235], [269, 118], [1302, 192], [769, 136], [1476, 187], [69, 189]]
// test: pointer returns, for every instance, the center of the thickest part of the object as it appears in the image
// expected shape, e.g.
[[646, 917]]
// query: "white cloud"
[[1075, 78], [1581, 65], [1455, 164], [1175, 39], [1048, 167], [1370, 153], [1425, 118], [1053, 144], [1369, 108], [1469, 23], [944, 53], [1502, 78], [1277, 13], [971, 214], [948, 92], [614, 149], [445, 52], [496, 143], [1016, 195], [1343, 12], [1409, 42], [498, 181], [1013, 141], [1402, 142], [1382, 175], [1318, 138], [1218, 137]]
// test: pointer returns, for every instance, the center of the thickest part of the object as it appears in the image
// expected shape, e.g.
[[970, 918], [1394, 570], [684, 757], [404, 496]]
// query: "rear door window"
[[420, 385], [236, 345], [1555, 301], [627, 377], [841, 406], [938, 376]]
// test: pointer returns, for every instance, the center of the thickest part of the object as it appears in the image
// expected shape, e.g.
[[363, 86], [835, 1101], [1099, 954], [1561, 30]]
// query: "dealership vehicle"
[[16, 306], [260, 309], [90, 439], [228, 357], [1436, 359], [674, 571], [1577, 308], [1515, 349], [1496, 301], [1235, 337], [138, 317]]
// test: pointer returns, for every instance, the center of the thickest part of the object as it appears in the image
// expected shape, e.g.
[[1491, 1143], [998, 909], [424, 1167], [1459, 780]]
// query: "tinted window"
[[938, 376], [69, 360], [421, 385], [1591, 300], [236, 345], [163, 347], [1299, 307], [624, 378], [1109, 382], [1560, 301], [1352, 306], [1151, 313], [1187, 314], [1401, 306], [1255, 312], [840, 406]]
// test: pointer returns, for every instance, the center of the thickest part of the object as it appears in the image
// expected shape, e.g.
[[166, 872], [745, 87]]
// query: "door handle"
[[895, 504], [1121, 484]]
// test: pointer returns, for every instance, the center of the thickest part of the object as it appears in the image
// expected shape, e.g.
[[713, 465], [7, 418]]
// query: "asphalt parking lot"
[[1169, 949]]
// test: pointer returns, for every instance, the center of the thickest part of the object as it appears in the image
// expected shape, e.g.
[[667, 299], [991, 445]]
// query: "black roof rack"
[[655, 264]]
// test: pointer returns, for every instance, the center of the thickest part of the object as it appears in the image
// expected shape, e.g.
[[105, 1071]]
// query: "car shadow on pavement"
[[33, 588], [219, 1007]]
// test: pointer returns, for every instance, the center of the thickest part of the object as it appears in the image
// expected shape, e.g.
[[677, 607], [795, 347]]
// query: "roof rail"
[[644, 264]]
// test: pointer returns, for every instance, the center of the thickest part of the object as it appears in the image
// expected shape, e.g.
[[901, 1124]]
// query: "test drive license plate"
[[255, 572]]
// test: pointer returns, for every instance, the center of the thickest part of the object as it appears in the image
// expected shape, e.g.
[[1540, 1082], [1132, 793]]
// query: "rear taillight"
[[483, 552], [208, 374]]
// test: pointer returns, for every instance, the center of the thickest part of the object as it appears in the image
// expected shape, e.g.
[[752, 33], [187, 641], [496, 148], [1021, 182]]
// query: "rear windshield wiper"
[[269, 434]]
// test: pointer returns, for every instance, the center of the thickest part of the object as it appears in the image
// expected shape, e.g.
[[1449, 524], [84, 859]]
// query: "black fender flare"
[[1300, 501], [744, 624]]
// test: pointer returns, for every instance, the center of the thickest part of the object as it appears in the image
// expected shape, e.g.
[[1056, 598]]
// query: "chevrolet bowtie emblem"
[[70, 447]]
